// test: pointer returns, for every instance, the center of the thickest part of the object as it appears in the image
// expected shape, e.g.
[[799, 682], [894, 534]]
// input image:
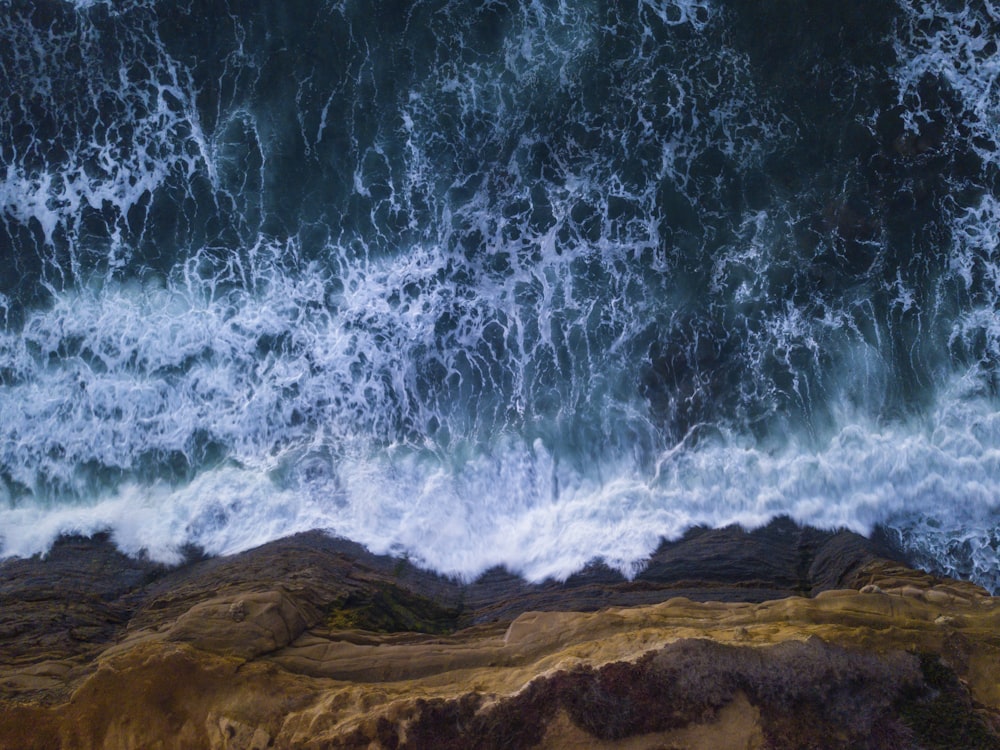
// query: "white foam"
[[223, 511], [517, 507], [958, 43], [419, 401], [697, 13], [116, 141]]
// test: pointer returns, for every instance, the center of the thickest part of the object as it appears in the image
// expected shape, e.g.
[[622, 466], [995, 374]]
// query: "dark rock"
[[72, 602], [85, 595]]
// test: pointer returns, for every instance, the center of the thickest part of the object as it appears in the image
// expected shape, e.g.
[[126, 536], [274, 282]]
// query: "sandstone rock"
[[266, 621], [231, 734], [238, 611], [313, 642]]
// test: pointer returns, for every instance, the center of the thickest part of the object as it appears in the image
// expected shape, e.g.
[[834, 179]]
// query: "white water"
[[420, 402], [938, 480]]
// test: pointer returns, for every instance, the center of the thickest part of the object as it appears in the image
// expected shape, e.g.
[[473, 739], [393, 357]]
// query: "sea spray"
[[513, 284]]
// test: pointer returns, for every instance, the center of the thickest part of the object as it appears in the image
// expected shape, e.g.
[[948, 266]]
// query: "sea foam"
[[525, 285]]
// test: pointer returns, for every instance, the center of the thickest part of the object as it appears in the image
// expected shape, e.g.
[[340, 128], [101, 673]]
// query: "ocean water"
[[492, 282]]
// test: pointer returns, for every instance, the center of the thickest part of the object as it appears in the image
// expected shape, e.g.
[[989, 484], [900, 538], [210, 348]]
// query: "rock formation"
[[778, 638]]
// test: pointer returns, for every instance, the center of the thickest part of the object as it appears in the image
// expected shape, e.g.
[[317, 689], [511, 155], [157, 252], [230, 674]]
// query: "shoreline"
[[312, 641], [728, 564]]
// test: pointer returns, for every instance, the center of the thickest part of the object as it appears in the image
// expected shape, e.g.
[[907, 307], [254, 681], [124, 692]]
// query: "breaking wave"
[[513, 284]]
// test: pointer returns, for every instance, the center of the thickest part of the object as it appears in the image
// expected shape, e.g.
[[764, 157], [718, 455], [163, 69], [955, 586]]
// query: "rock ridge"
[[757, 638]]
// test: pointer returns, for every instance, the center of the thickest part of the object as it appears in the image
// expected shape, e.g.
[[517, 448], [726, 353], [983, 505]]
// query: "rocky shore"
[[784, 637]]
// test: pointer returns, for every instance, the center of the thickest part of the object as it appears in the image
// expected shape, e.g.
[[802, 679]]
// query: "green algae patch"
[[386, 608]]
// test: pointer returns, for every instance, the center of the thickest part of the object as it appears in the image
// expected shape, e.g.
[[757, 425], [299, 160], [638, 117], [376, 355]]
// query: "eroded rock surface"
[[783, 637]]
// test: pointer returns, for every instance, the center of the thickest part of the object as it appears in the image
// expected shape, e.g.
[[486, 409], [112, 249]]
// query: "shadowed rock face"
[[781, 637], [795, 693]]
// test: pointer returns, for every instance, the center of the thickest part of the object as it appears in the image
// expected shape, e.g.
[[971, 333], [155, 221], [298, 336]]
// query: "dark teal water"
[[499, 282]]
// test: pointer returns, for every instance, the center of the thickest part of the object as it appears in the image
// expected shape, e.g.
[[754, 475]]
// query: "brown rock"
[[758, 638]]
